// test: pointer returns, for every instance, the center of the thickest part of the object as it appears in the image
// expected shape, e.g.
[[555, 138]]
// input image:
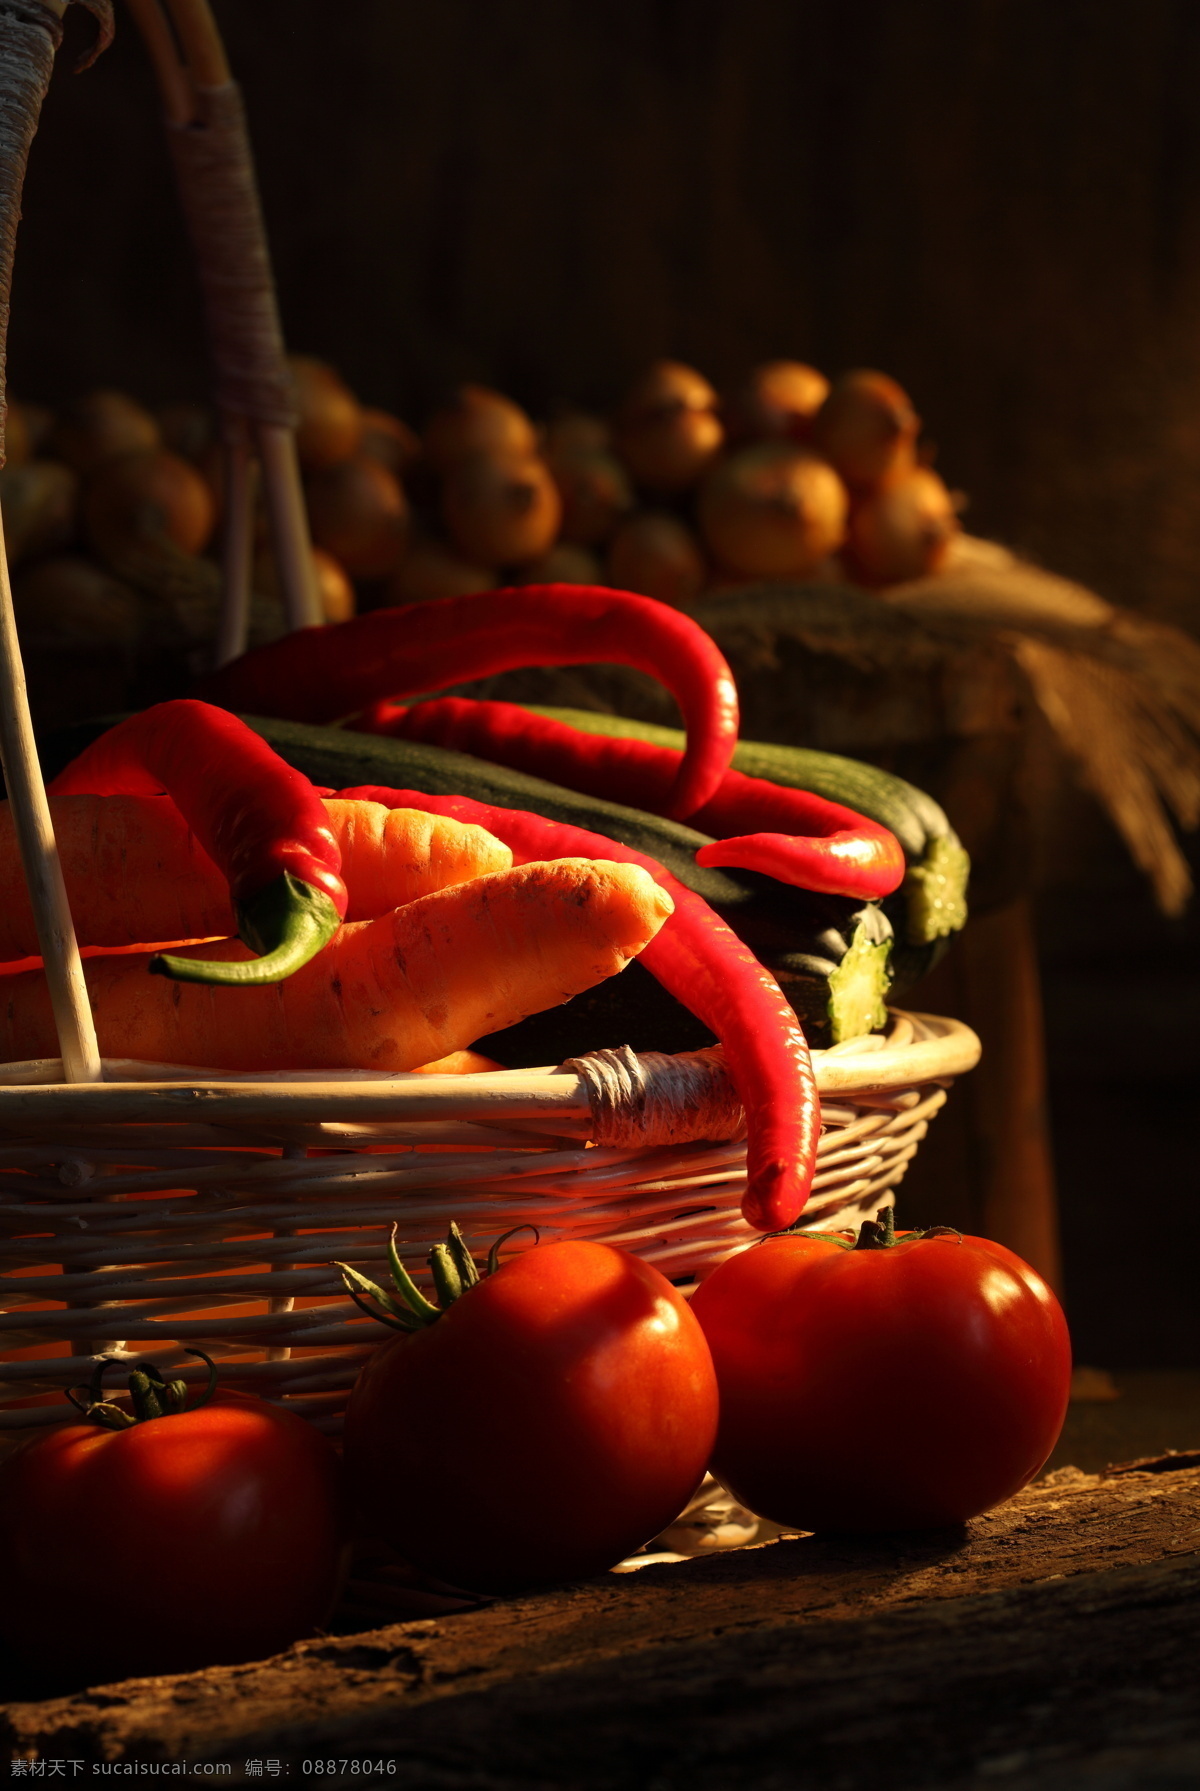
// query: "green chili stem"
[[287, 923]]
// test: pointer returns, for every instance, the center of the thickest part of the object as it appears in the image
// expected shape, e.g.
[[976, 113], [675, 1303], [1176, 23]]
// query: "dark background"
[[995, 200]]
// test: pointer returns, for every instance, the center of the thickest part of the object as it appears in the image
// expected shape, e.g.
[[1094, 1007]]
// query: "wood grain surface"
[[1047, 1644]]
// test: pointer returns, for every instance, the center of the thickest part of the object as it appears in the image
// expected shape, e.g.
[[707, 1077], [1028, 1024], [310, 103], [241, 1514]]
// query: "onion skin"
[[772, 510], [595, 492], [902, 530], [144, 499], [656, 554], [867, 428], [390, 441], [102, 426], [667, 430], [777, 402], [477, 420], [329, 424], [665, 385], [501, 510], [359, 514]]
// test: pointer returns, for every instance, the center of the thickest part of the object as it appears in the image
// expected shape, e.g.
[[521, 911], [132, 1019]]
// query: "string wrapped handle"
[[639, 1101]]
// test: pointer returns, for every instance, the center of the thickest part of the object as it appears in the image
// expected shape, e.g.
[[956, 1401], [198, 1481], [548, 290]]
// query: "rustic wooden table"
[[1049, 1646]]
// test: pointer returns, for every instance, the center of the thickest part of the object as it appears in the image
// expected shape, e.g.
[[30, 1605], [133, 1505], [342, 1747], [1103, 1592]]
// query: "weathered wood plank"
[[1056, 1630]]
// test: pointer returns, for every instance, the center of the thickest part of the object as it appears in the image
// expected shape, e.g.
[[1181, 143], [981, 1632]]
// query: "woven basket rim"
[[934, 1048]]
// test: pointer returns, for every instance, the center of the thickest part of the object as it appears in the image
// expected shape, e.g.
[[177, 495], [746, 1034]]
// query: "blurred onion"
[[667, 428], [329, 417], [595, 492], [902, 530], [359, 514], [102, 426], [386, 439], [779, 399], [477, 420], [772, 510], [657, 554], [866, 428], [145, 499], [501, 509]]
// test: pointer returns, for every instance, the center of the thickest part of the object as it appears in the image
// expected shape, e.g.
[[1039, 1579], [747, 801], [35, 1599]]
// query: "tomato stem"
[[382, 1306], [406, 1287], [493, 1261], [151, 1394], [878, 1233], [454, 1272]]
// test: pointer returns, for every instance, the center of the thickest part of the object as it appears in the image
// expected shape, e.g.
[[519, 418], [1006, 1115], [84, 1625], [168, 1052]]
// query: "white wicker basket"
[[168, 1208]]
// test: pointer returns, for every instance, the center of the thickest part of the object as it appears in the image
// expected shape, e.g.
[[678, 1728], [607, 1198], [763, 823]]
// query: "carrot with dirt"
[[387, 994], [136, 873]]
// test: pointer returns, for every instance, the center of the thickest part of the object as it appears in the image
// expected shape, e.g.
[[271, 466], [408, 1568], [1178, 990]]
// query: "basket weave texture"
[[166, 1208]]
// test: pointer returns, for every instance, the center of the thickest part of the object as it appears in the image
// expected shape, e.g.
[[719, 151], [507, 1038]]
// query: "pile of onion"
[[680, 489]]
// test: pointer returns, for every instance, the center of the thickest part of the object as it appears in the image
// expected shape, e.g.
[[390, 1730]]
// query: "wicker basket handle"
[[28, 41], [214, 167]]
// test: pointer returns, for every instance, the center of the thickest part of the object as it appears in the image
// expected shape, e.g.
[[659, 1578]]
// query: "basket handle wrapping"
[[205, 123]]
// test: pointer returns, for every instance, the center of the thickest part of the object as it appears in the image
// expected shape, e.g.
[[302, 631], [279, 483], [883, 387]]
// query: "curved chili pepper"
[[805, 840], [261, 823], [323, 674], [707, 968]]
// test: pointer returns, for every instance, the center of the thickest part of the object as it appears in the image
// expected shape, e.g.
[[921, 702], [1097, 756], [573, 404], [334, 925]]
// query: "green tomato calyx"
[[878, 1233], [150, 1393], [454, 1271]]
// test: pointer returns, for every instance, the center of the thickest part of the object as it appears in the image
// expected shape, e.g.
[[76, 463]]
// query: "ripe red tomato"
[[882, 1388], [211, 1535], [557, 1415]]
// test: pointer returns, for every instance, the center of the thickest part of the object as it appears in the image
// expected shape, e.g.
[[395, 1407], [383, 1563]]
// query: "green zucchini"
[[930, 906]]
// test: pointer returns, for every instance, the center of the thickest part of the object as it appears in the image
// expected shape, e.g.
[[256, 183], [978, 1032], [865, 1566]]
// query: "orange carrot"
[[459, 1063], [385, 866], [385, 994], [135, 872]]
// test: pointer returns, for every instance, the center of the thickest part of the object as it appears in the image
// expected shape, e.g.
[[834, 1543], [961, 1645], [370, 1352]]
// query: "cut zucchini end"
[[858, 988], [936, 891]]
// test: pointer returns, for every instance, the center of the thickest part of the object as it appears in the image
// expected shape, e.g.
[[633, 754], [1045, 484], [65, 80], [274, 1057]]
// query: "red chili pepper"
[[804, 839], [708, 969], [261, 823], [323, 674]]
